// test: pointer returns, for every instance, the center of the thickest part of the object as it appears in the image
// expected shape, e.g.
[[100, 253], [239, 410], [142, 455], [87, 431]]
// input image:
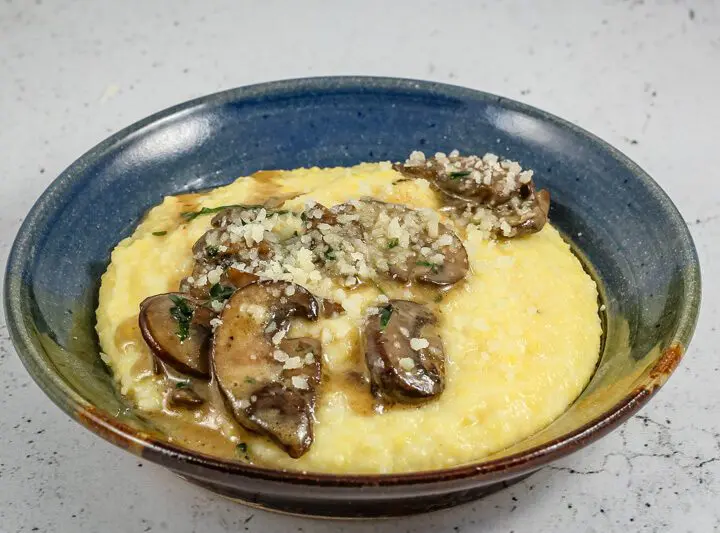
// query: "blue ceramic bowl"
[[618, 219]]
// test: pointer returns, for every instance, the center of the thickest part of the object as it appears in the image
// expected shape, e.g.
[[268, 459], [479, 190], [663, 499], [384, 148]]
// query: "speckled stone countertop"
[[643, 75]]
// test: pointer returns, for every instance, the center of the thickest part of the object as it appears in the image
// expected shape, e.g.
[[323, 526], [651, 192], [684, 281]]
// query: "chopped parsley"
[[438, 298], [243, 449], [182, 384], [392, 243], [330, 254], [248, 379], [385, 314], [192, 215], [159, 233], [212, 251], [220, 293], [459, 174], [435, 268], [183, 314]]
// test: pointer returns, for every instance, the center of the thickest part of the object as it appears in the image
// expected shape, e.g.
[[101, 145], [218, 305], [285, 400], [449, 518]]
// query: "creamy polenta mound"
[[520, 332]]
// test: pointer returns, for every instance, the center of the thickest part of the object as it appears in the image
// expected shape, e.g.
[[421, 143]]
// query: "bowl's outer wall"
[[614, 214]]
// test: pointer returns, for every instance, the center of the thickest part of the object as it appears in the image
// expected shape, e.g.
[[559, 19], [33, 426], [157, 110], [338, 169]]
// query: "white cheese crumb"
[[278, 337], [416, 159], [213, 276], [215, 322], [280, 356], [290, 290], [505, 228], [300, 382], [309, 358], [407, 363], [419, 344], [292, 363]]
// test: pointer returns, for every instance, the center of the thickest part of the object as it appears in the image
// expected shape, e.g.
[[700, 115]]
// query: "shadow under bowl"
[[616, 216]]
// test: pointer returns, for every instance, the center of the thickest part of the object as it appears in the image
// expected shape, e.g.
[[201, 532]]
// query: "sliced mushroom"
[[235, 214], [416, 267], [471, 182], [453, 268], [330, 309], [404, 353], [284, 411], [318, 214], [184, 399], [269, 382], [237, 278], [177, 329]]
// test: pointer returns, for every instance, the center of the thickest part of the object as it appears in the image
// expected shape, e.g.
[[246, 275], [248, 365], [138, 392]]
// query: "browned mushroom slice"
[[471, 182], [184, 399], [330, 309], [526, 217], [404, 353], [318, 214], [286, 413], [269, 383], [215, 244], [237, 278], [452, 269], [177, 329], [235, 214]]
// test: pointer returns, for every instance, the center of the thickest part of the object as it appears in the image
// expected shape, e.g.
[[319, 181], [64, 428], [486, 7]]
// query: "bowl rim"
[[182, 459]]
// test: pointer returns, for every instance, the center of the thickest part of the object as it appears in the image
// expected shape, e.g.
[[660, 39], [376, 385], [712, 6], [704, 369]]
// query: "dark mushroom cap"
[[397, 371], [184, 398], [453, 269], [466, 183], [454, 266], [181, 341], [269, 383]]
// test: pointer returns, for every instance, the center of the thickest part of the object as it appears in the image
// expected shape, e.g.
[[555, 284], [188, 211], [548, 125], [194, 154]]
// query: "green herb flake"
[[330, 254], [220, 293], [438, 298], [183, 314], [392, 243], [192, 215], [459, 174], [250, 380], [242, 449], [432, 266], [212, 251], [182, 385], [385, 314], [159, 233]]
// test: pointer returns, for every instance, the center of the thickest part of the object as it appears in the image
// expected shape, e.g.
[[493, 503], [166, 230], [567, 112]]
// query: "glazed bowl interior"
[[618, 220]]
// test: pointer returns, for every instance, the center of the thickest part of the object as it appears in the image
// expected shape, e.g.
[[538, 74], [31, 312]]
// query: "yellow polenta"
[[521, 333]]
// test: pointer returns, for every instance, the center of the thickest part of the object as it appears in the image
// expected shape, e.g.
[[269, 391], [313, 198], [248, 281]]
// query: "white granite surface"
[[643, 75]]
